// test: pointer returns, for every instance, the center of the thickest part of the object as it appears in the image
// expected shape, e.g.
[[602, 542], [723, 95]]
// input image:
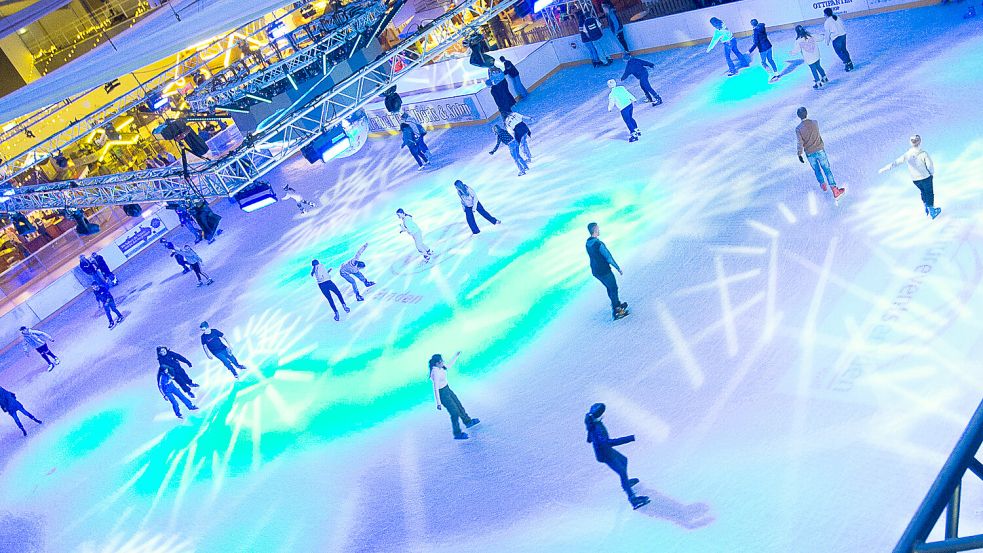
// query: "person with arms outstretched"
[[604, 452], [39, 341], [922, 172], [170, 392], [352, 269]]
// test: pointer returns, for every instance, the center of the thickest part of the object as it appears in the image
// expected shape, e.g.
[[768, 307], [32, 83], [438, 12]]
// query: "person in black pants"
[[103, 267], [171, 362], [604, 452], [637, 68], [601, 262], [214, 343], [10, 405], [470, 202], [445, 397], [172, 251], [327, 286], [105, 298]]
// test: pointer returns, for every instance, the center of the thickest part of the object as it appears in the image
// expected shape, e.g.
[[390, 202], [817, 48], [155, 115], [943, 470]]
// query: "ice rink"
[[796, 373]]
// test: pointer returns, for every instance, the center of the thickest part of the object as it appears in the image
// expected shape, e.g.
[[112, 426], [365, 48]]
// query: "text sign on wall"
[[813, 9], [140, 236], [439, 112]]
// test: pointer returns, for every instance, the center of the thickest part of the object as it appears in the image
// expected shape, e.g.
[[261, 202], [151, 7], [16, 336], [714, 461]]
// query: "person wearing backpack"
[[590, 31]]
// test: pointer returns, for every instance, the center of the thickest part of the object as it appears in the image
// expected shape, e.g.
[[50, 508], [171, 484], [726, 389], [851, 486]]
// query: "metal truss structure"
[[184, 68], [945, 495], [210, 94], [261, 153]]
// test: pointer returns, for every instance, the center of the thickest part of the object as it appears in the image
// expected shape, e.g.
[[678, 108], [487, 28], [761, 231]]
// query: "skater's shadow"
[[691, 516], [790, 66], [172, 277]]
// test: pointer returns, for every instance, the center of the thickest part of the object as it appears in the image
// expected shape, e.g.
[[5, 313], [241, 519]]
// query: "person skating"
[[614, 22], [601, 262], [352, 269], [723, 35], [590, 31], [409, 226], [170, 392], [90, 269], [619, 96], [171, 362], [10, 405], [503, 137], [604, 452], [764, 48], [103, 268], [420, 132], [291, 194], [515, 81], [214, 343], [172, 251], [411, 142], [469, 200], [500, 91], [806, 45], [194, 261], [328, 287], [445, 397], [38, 340], [638, 69], [108, 302], [515, 124], [810, 142], [922, 172], [836, 36]]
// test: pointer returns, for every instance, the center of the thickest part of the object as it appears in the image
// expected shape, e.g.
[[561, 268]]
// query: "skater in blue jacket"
[[604, 452], [764, 48]]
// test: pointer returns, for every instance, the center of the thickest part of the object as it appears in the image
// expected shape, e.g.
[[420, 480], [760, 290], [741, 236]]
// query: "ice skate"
[[358, 297], [57, 361], [521, 173], [825, 80], [837, 192], [461, 436], [632, 482], [927, 211], [346, 308], [731, 73], [472, 423], [624, 305], [120, 319], [336, 317], [370, 284], [193, 408], [620, 313], [823, 186], [640, 501], [200, 284], [51, 367], [209, 282], [774, 78], [112, 325], [936, 211]]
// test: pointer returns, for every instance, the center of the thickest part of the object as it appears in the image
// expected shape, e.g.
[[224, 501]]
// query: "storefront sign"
[[813, 9], [141, 236], [437, 112]]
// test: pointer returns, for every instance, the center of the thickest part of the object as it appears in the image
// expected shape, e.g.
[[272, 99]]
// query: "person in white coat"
[[922, 171], [723, 35], [445, 397], [836, 36], [808, 48], [620, 97], [409, 226]]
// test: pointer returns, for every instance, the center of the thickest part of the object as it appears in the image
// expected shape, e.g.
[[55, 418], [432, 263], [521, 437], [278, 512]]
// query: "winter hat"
[[596, 410], [204, 324], [612, 83]]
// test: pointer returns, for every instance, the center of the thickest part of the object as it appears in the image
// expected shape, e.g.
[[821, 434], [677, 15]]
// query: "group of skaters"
[[173, 381], [101, 279]]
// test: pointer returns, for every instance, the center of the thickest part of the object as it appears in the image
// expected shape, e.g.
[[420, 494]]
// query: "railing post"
[[952, 513]]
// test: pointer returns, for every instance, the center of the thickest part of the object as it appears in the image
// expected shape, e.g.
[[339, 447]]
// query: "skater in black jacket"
[[604, 452], [105, 298], [637, 68], [10, 405], [171, 361], [763, 46], [601, 262]]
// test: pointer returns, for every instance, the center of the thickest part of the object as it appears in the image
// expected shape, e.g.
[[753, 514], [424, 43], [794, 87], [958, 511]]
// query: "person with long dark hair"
[[604, 452], [808, 48], [836, 35], [922, 172], [764, 48], [409, 226], [194, 261], [445, 397], [10, 405], [327, 286], [171, 362], [469, 200]]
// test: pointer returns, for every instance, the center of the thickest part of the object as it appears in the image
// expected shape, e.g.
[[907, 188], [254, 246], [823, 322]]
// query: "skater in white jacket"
[[619, 96], [808, 48], [409, 226], [922, 170]]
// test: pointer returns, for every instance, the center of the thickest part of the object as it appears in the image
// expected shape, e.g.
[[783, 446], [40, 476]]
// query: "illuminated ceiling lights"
[[259, 98]]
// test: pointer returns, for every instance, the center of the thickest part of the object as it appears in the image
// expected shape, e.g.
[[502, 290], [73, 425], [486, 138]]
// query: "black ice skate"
[[640, 501], [620, 313]]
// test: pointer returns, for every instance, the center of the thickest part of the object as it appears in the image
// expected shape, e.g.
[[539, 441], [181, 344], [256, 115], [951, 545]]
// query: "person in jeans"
[[171, 362], [445, 397], [614, 22], [469, 201], [327, 286], [619, 96], [103, 268], [170, 392], [763, 45], [922, 171], [503, 137], [39, 341], [604, 452], [352, 269], [214, 343], [512, 74], [638, 69], [188, 222], [105, 298], [10, 405], [601, 262], [420, 131], [836, 35], [807, 46], [194, 261], [515, 124], [810, 142], [412, 143], [723, 35], [590, 31], [409, 226], [172, 251]]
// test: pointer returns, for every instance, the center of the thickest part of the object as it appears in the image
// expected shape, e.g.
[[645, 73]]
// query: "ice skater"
[[10, 405], [504, 99], [409, 226], [469, 200], [420, 132], [503, 137], [515, 124], [291, 194], [352, 269], [39, 341], [763, 46], [515, 81], [604, 452], [214, 343], [445, 397], [922, 172], [619, 96], [836, 36], [590, 31], [103, 268], [171, 362], [108, 302], [172, 251], [637, 68], [328, 287], [90, 269], [411, 142], [807, 46], [170, 392], [810, 143], [723, 35], [614, 22], [194, 261], [601, 262]]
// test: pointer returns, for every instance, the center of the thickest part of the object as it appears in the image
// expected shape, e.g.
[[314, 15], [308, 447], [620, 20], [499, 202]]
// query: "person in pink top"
[[445, 397]]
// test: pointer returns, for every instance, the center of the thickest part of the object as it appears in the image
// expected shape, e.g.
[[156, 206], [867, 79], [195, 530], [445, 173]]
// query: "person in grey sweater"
[[39, 341], [193, 260], [352, 269]]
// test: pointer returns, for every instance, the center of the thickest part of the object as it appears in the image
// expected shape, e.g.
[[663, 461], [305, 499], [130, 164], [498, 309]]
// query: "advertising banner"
[[813, 9], [141, 236], [435, 112]]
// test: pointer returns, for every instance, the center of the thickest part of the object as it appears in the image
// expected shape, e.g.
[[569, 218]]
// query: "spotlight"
[[328, 145], [257, 196]]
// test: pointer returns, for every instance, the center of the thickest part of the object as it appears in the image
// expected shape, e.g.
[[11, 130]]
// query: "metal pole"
[[952, 513]]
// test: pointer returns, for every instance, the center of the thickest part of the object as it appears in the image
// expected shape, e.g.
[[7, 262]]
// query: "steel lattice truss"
[[205, 97], [257, 155], [190, 65]]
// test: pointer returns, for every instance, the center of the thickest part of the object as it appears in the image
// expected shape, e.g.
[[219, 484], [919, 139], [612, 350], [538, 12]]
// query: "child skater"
[[922, 171], [445, 397], [604, 452], [807, 46], [723, 35], [619, 96], [409, 226], [327, 286]]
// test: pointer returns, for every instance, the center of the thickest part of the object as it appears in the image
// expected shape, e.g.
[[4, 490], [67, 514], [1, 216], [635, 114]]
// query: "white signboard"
[[813, 9], [437, 112], [141, 236]]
